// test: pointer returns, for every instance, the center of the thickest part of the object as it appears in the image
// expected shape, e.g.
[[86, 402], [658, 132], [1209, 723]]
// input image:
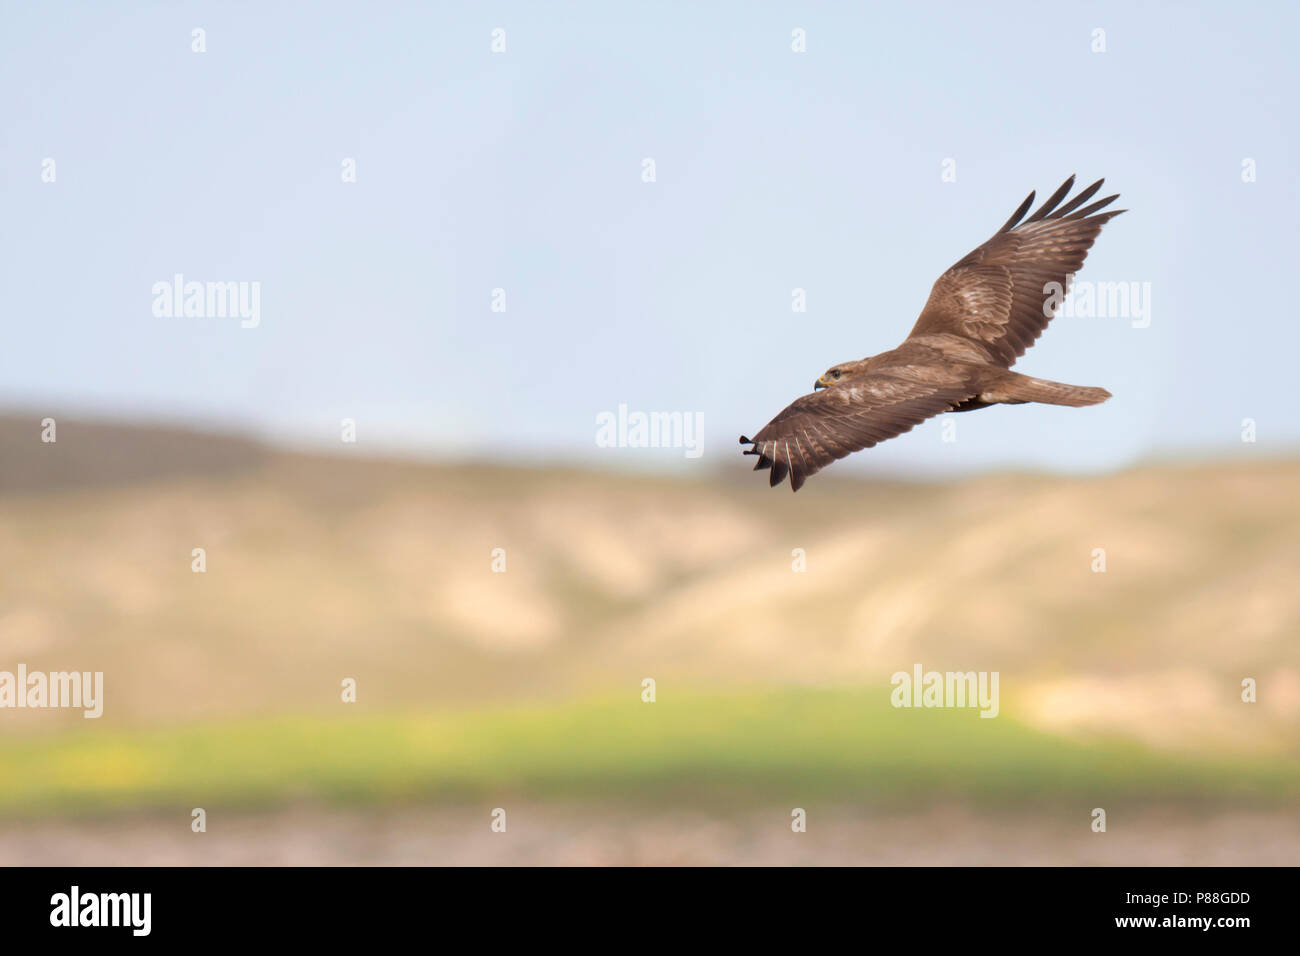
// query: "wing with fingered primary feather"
[[820, 428], [1004, 293]]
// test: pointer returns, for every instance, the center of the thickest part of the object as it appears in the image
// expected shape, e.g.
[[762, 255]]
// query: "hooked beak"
[[820, 383]]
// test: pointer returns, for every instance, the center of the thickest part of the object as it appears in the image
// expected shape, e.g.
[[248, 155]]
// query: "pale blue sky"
[[522, 170]]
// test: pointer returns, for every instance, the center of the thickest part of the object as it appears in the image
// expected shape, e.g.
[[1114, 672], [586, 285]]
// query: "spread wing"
[[1001, 296], [820, 428]]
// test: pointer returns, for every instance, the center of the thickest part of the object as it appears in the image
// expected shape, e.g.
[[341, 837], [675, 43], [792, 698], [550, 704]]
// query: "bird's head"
[[835, 374]]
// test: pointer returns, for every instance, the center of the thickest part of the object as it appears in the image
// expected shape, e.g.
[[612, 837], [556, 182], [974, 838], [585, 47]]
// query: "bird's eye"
[[835, 373]]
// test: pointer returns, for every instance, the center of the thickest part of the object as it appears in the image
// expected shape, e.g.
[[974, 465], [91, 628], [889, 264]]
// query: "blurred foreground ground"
[[523, 689], [542, 835]]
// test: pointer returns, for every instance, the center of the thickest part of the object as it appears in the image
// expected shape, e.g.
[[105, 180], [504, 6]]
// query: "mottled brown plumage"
[[981, 316]]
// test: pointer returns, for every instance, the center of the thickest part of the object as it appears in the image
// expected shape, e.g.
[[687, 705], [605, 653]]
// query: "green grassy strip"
[[792, 746]]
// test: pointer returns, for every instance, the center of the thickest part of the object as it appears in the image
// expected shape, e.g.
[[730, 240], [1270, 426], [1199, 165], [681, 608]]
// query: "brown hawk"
[[981, 316]]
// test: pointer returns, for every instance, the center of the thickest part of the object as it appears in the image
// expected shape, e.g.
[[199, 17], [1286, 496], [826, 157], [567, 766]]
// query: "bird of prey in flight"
[[981, 316]]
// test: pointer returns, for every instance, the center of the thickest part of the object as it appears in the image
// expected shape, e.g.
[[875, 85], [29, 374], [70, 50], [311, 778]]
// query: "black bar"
[[975, 904]]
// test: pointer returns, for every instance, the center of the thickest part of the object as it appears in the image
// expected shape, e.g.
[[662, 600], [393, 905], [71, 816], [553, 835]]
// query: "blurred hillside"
[[324, 568]]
